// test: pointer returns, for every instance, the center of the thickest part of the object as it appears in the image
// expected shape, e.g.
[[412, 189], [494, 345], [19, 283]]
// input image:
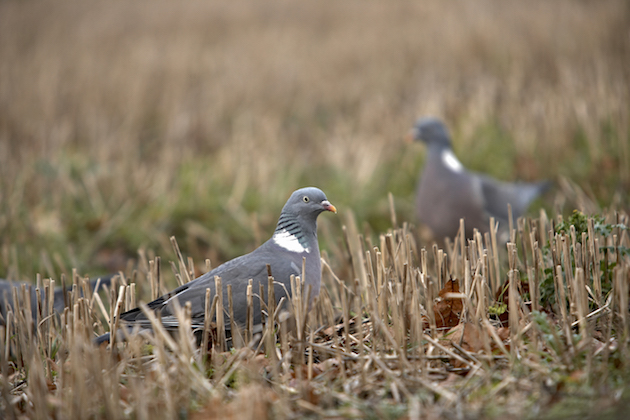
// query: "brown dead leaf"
[[472, 341], [310, 395], [466, 335], [503, 333], [50, 385], [261, 360], [470, 338], [125, 393], [328, 366], [447, 309]]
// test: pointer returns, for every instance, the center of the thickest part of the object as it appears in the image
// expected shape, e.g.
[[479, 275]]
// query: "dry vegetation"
[[438, 334], [122, 124]]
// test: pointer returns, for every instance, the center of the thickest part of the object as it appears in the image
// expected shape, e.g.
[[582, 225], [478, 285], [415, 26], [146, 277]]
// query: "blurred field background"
[[123, 123]]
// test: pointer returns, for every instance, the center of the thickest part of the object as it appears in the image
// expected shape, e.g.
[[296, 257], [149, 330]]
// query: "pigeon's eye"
[[305, 199]]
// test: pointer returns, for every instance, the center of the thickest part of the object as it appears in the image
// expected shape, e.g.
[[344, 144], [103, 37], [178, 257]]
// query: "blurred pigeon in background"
[[447, 191], [294, 239]]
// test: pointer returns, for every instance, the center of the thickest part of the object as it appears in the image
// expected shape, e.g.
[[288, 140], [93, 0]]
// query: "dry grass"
[[400, 349], [122, 124]]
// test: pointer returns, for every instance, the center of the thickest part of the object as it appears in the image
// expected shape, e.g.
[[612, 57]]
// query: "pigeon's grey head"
[[297, 225], [307, 203], [431, 131]]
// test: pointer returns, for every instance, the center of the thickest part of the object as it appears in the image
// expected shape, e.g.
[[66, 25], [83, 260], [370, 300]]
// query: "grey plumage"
[[6, 295], [447, 191], [295, 238]]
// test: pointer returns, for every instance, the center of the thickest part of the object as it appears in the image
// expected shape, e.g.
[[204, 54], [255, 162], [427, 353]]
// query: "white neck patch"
[[451, 162], [288, 241]]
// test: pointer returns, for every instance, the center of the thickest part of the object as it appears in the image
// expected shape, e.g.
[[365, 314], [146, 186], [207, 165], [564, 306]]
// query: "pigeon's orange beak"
[[410, 137], [329, 207]]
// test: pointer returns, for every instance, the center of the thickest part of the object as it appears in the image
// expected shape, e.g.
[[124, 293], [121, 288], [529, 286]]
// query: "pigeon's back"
[[237, 274]]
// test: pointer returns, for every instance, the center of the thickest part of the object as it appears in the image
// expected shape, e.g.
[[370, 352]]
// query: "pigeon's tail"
[[519, 195], [522, 194], [529, 192], [6, 289], [60, 302]]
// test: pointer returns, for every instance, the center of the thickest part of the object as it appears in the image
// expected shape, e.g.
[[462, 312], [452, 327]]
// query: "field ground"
[[123, 124]]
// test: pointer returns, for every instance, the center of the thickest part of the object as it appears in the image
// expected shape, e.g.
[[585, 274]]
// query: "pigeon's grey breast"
[[444, 196], [237, 273]]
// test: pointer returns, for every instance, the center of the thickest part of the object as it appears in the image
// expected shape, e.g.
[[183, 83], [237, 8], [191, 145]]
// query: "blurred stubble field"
[[125, 123]]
